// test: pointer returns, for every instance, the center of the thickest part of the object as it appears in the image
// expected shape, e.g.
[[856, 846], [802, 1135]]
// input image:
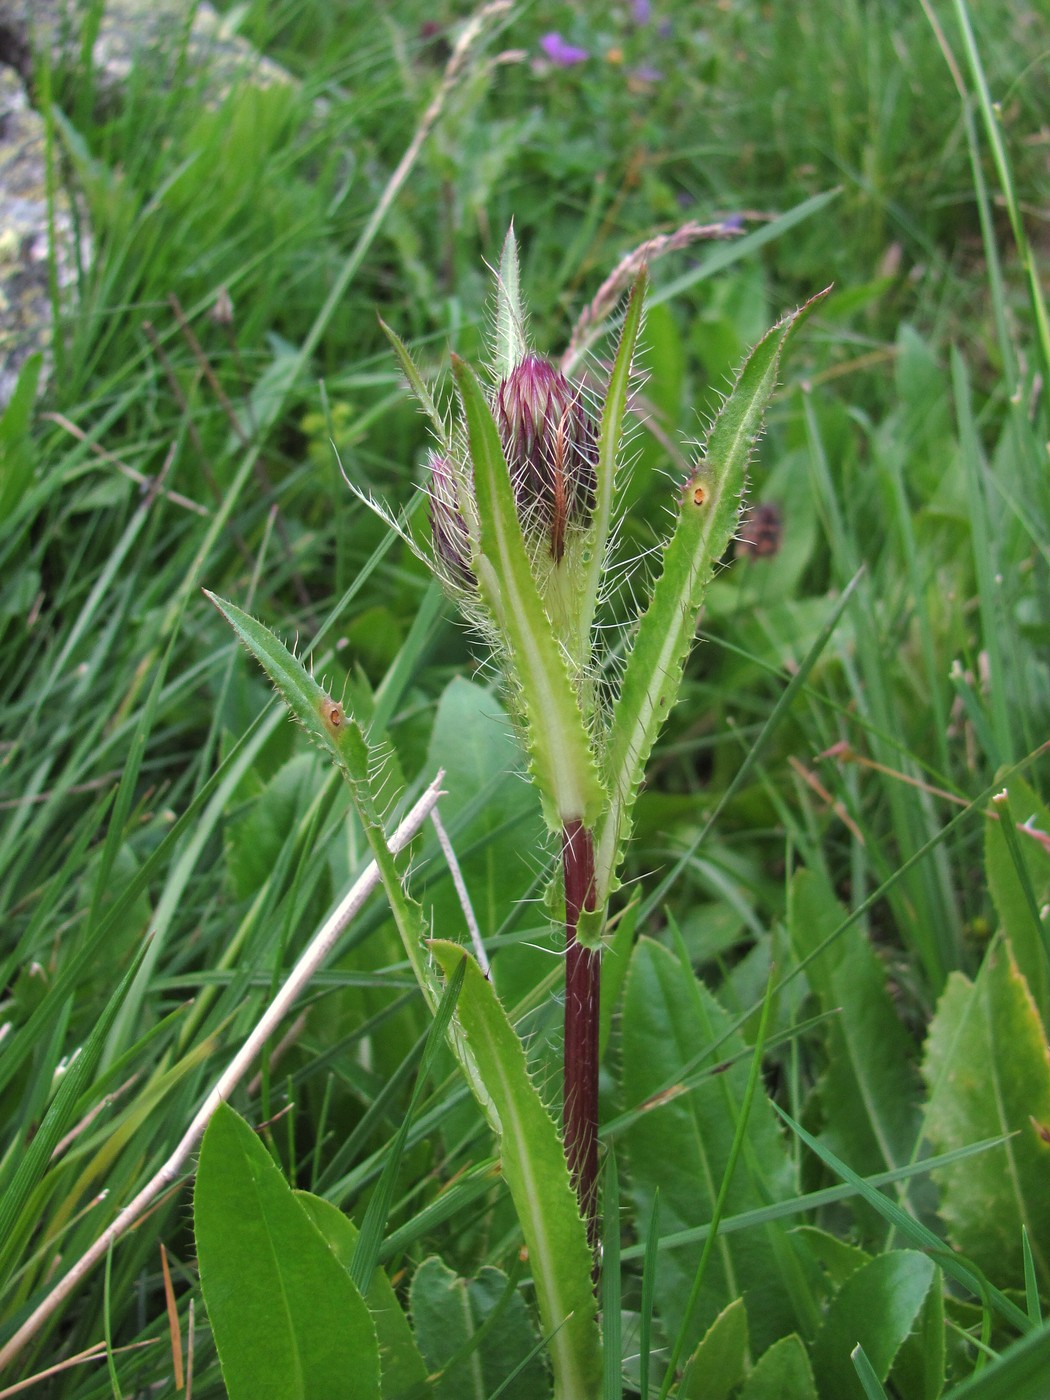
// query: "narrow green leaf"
[[558, 741], [26, 1167], [417, 384], [538, 1180], [1031, 1283], [367, 1253], [612, 1342], [1018, 870], [610, 437], [710, 506], [402, 1367], [1019, 1373], [510, 314], [649, 1268], [876, 1308], [987, 1065], [289, 1324], [866, 1374], [323, 718]]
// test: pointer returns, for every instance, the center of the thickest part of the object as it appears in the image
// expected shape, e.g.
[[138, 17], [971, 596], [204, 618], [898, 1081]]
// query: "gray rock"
[[175, 31], [25, 292], [178, 38]]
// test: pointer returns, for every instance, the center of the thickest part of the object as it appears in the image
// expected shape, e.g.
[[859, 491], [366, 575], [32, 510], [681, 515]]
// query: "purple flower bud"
[[447, 525], [550, 446], [561, 53]]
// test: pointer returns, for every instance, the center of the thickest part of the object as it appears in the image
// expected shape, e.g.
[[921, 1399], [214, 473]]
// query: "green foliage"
[[476, 1333], [817, 800], [533, 1166], [680, 1145], [876, 1308], [287, 1319], [987, 1068]]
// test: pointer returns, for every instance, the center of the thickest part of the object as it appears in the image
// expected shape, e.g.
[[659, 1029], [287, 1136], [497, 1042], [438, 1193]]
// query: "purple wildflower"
[[641, 11], [561, 53]]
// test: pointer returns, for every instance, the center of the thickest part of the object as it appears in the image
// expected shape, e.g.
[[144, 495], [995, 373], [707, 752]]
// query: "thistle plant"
[[522, 496], [522, 490]]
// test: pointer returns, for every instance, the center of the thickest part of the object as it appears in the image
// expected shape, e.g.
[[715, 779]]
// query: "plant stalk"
[[582, 989]]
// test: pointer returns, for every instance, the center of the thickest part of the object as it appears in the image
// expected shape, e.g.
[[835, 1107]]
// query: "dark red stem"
[[582, 985]]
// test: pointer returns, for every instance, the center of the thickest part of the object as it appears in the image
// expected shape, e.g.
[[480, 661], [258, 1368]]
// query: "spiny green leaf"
[[717, 1365], [610, 437], [417, 384], [557, 736], [323, 718], [538, 1180], [709, 508]]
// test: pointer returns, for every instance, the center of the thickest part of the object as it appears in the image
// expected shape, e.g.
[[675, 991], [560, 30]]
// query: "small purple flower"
[[561, 53], [641, 11], [646, 73]]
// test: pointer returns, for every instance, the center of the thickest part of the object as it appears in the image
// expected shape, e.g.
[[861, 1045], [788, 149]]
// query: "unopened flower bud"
[[550, 446], [448, 527]]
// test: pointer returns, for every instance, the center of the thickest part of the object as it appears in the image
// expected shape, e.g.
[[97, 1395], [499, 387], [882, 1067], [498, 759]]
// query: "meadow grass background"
[[150, 784]]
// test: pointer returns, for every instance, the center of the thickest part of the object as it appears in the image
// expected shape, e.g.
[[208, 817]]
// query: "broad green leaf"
[[987, 1067], [876, 1307], [1018, 908], [400, 1363], [681, 1145], [254, 840], [492, 817], [837, 1258], [448, 1313], [719, 1361], [537, 1177], [288, 1322], [558, 742], [869, 1090], [911, 1228], [709, 508], [782, 1372]]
